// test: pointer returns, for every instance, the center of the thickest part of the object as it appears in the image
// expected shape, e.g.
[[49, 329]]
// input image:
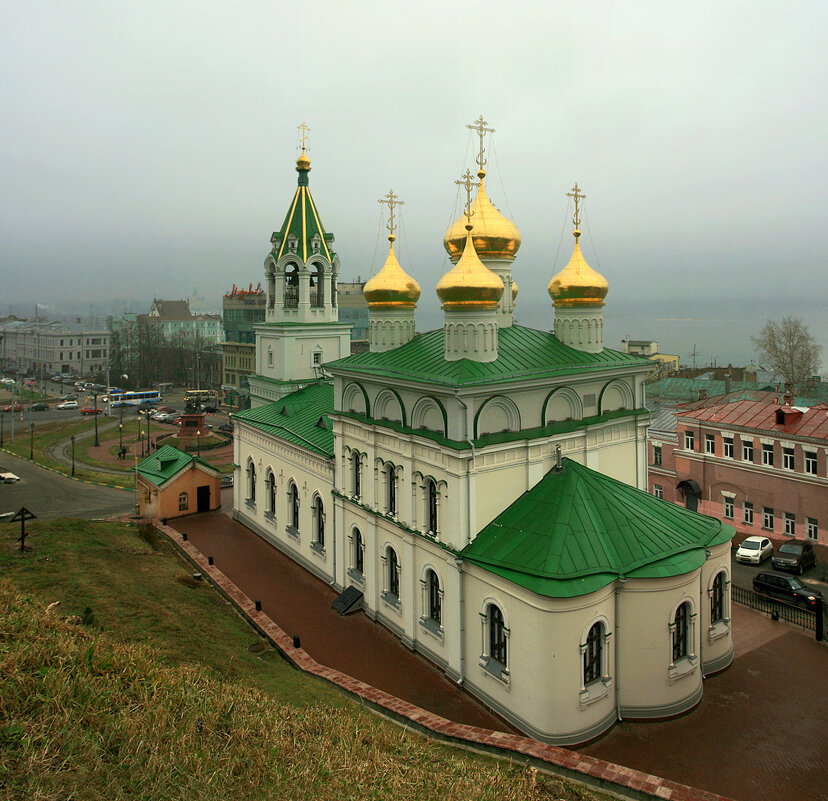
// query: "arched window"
[[183, 502], [291, 286], [319, 528], [680, 630], [359, 552], [435, 601], [357, 474], [717, 597], [251, 482], [271, 493], [431, 508], [391, 489], [393, 573], [317, 288], [497, 636], [593, 655], [293, 506]]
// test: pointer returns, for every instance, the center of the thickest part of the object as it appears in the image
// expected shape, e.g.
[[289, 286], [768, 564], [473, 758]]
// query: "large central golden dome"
[[391, 286], [470, 284], [578, 284], [493, 236]]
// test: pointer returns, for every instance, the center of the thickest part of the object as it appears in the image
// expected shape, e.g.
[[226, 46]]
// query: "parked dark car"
[[795, 556], [787, 588], [227, 428], [39, 407], [210, 409]]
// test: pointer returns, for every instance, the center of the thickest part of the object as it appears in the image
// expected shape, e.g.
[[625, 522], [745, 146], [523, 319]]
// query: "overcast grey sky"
[[149, 147]]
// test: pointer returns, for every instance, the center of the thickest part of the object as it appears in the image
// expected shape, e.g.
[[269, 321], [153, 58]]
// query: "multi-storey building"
[[760, 467], [242, 309], [174, 318], [353, 309], [49, 348]]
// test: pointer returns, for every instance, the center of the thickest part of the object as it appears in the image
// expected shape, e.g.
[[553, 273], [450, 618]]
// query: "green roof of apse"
[[522, 353], [578, 530], [164, 463], [300, 418]]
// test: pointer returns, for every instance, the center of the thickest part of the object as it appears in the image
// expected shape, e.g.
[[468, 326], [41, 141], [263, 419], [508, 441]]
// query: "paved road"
[[50, 495]]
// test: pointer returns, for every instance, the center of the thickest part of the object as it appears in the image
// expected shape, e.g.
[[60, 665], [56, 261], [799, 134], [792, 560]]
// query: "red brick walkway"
[[758, 735]]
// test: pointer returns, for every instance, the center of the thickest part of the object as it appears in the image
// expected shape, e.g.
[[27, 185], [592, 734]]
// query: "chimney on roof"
[[558, 460], [702, 394], [788, 399], [727, 383]]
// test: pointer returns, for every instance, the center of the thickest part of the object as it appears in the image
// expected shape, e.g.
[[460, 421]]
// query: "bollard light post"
[[73, 453], [95, 415]]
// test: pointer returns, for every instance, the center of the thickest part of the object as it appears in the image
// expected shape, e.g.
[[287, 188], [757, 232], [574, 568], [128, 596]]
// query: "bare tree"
[[788, 348]]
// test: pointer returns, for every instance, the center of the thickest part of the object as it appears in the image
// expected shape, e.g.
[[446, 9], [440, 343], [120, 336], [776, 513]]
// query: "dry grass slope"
[[84, 715]]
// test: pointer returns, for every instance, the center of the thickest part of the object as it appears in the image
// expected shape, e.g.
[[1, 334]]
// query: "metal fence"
[[779, 610]]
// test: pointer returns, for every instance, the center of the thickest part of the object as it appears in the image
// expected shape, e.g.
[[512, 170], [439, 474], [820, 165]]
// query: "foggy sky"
[[149, 148]]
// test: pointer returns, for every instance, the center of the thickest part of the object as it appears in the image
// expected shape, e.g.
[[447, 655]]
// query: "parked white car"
[[67, 405], [754, 550], [8, 478]]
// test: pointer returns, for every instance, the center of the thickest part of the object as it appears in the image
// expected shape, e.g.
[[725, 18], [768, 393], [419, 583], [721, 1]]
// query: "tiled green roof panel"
[[302, 221], [300, 418], [522, 353], [164, 463], [577, 530]]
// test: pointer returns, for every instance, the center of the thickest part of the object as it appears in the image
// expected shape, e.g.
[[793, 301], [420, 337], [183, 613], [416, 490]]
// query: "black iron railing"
[[811, 619], [291, 296]]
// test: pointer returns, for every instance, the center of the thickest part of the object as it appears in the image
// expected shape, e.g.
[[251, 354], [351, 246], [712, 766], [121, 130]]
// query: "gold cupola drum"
[[392, 295], [578, 294]]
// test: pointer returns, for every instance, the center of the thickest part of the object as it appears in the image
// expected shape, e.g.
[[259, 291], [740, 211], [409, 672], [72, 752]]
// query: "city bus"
[[144, 397], [199, 395]]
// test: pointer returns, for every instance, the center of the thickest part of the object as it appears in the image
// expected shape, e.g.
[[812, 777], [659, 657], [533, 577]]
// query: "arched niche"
[[430, 414], [355, 399], [562, 403], [497, 414], [388, 405], [615, 395]]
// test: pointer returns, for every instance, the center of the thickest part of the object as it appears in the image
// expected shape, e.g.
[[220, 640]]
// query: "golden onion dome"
[[303, 162], [514, 290], [470, 284], [391, 287], [578, 284], [494, 236]]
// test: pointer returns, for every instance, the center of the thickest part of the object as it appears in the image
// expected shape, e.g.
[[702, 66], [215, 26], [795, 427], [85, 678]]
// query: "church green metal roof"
[[522, 353], [300, 418], [578, 530], [166, 462], [303, 222]]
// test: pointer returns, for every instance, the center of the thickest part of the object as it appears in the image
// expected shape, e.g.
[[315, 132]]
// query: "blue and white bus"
[[148, 397]]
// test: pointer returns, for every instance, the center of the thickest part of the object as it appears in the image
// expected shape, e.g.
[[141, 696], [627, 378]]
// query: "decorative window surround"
[[318, 549], [356, 576], [495, 669], [392, 601], [434, 628], [292, 531]]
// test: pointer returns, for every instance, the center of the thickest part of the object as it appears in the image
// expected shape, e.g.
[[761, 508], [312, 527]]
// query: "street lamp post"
[[141, 439], [120, 438], [198, 443], [73, 453], [31, 442], [95, 415]]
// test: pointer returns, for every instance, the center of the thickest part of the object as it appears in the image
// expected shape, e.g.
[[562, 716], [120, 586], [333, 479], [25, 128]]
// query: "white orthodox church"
[[481, 485]]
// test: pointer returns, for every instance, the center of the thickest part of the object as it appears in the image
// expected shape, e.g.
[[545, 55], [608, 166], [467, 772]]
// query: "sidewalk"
[[759, 733]]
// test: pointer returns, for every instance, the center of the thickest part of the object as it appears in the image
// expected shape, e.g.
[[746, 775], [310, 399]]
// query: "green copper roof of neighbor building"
[[300, 418], [302, 221], [578, 530], [522, 353], [161, 466]]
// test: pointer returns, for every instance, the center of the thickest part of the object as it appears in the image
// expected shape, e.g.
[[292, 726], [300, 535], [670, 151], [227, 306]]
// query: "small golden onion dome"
[[514, 290], [494, 236], [303, 162], [470, 284], [578, 284], [391, 287]]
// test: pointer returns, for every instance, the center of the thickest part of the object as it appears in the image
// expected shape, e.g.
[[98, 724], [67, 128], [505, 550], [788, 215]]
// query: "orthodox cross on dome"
[[391, 200], [468, 182], [479, 125], [577, 195], [304, 132]]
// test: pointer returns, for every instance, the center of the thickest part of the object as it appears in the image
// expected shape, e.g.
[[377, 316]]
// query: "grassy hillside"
[[150, 691]]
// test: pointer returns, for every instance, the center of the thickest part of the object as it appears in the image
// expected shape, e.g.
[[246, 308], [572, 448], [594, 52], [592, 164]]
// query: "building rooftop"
[[522, 353], [166, 463], [578, 530]]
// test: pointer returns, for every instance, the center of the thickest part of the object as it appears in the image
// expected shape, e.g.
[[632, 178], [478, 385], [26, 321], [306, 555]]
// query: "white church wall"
[[715, 638]]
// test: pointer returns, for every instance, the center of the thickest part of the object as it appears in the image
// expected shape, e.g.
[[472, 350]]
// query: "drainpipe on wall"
[[461, 668], [333, 524], [621, 581]]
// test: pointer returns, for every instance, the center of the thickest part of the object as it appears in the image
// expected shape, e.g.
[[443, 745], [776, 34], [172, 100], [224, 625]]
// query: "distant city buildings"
[[49, 348], [242, 309], [648, 348], [174, 318], [353, 308]]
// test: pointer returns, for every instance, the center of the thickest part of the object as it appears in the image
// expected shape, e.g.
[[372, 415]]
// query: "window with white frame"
[[434, 598], [788, 459], [747, 513], [358, 553], [293, 506], [657, 455], [658, 490], [497, 636], [271, 494], [689, 440], [183, 502], [680, 632], [729, 508], [251, 482], [767, 454], [593, 655], [790, 524], [431, 506], [710, 444], [319, 522], [717, 599], [811, 462], [390, 490], [356, 468], [767, 517], [747, 450], [727, 447], [813, 528], [392, 567]]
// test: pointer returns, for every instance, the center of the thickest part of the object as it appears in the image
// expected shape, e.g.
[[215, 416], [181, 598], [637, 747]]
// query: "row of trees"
[[141, 351]]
